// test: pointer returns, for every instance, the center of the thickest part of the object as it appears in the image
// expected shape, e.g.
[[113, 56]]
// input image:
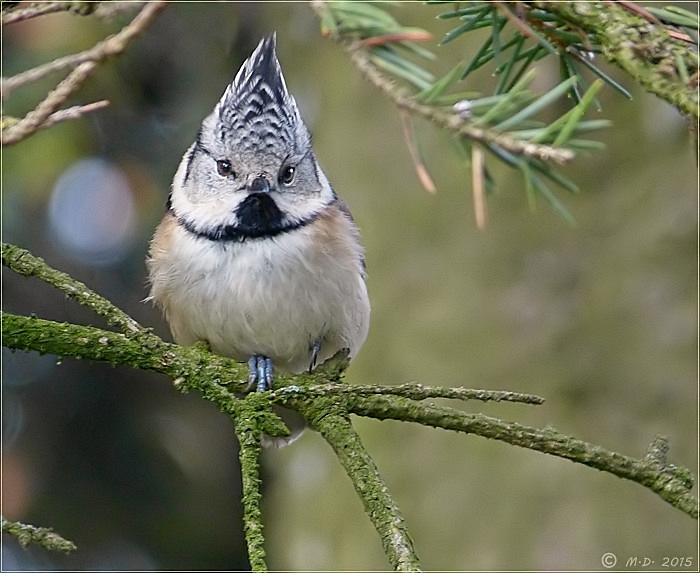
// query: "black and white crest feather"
[[257, 109]]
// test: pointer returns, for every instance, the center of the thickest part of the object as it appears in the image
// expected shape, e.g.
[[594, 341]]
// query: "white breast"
[[274, 297]]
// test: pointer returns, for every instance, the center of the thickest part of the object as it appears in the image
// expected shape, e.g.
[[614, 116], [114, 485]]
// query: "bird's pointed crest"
[[259, 92], [262, 67]]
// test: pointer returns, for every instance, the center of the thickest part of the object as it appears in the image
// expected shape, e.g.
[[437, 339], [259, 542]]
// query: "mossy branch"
[[333, 424], [642, 49], [194, 368], [44, 536], [24, 263], [249, 433], [189, 366], [422, 392], [672, 483]]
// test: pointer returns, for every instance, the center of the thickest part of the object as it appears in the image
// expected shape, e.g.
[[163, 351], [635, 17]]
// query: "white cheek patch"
[[300, 210], [212, 209], [209, 213]]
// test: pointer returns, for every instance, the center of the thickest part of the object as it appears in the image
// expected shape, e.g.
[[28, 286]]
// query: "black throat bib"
[[258, 217]]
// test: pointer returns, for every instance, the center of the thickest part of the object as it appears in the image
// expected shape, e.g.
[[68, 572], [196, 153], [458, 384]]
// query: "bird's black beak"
[[260, 185]]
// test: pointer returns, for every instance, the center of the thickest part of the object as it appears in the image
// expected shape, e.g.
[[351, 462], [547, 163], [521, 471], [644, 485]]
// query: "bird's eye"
[[287, 175], [224, 168]]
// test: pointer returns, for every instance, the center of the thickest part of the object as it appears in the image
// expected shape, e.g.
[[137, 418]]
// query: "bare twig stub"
[[75, 112], [478, 186]]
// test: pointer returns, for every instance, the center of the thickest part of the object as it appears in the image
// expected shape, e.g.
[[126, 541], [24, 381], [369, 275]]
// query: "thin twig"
[[75, 112], [84, 64], [478, 186], [421, 171], [35, 119], [8, 85], [114, 45], [35, 9]]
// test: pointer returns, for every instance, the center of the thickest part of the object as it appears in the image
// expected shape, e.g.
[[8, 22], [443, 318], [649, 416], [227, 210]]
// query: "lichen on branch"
[[44, 536], [642, 49]]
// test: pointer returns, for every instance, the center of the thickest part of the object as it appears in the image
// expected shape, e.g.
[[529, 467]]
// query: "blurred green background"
[[601, 320]]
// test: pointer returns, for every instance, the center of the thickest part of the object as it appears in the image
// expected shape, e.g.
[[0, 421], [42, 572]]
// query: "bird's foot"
[[260, 376], [315, 349]]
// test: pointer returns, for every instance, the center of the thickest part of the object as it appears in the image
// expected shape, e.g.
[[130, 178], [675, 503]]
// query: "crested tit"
[[256, 254]]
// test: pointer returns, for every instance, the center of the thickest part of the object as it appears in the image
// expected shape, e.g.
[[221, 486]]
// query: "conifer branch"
[[454, 122], [645, 50]]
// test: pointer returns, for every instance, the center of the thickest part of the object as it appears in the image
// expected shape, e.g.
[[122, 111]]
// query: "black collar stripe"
[[234, 234]]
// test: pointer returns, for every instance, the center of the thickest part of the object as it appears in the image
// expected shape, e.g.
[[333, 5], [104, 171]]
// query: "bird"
[[256, 253]]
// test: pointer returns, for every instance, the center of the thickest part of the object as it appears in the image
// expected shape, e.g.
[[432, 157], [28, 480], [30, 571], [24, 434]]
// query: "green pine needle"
[[537, 105], [577, 113]]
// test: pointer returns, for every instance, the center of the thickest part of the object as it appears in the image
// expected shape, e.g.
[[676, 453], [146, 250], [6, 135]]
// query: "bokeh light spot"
[[91, 213]]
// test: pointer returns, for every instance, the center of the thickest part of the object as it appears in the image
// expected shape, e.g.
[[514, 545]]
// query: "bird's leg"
[[260, 376], [315, 349]]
